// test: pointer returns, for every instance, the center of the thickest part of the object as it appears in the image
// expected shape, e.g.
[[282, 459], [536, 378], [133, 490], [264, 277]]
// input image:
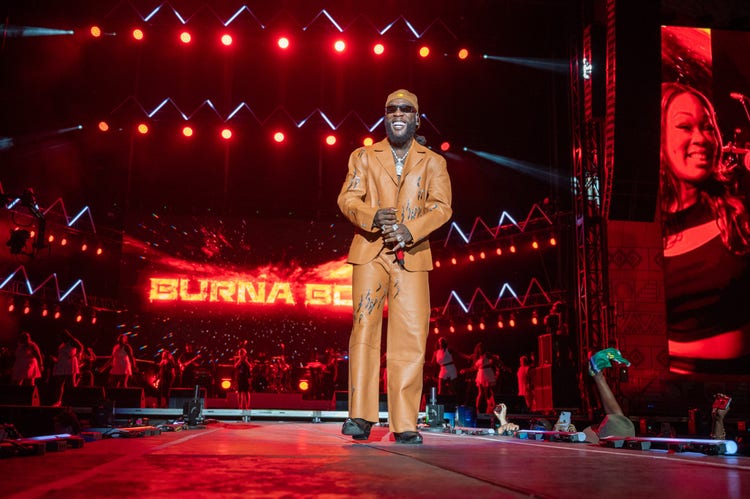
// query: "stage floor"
[[301, 459]]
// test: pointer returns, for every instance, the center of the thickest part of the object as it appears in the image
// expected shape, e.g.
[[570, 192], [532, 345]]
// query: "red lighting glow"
[[535, 245], [103, 126], [226, 39], [278, 137], [339, 46], [424, 51], [463, 54], [436, 330], [63, 241], [552, 241], [437, 263], [187, 131], [378, 49], [283, 43], [303, 385], [226, 133], [512, 248], [99, 251], [84, 247], [226, 383], [57, 314], [445, 146], [368, 141], [454, 261], [185, 37], [452, 328], [26, 309], [138, 34], [330, 140], [79, 317], [45, 312], [498, 252], [95, 31], [142, 128]]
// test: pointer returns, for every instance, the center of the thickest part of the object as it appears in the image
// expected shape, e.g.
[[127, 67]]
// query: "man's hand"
[[385, 216]]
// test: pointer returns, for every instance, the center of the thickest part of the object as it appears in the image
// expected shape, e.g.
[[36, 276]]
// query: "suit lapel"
[[416, 155], [385, 158]]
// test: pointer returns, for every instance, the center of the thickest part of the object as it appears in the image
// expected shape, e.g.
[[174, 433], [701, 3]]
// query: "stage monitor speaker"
[[178, 397], [84, 396], [341, 399], [19, 395], [127, 397]]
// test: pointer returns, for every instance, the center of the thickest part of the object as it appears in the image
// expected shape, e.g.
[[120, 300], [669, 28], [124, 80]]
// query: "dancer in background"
[[242, 370], [123, 363], [167, 376], [27, 366], [66, 370]]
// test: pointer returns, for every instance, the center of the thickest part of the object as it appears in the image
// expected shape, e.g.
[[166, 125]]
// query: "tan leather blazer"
[[422, 200]]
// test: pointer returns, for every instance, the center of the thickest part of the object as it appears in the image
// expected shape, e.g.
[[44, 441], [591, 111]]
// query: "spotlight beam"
[[528, 168], [28, 31], [554, 65]]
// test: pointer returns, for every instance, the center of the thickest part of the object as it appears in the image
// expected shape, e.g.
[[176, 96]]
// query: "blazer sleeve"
[[351, 200], [437, 209]]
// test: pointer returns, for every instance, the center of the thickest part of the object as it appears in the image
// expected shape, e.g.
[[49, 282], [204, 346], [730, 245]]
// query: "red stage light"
[[378, 49], [103, 126], [95, 31], [283, 43], [226, 383], [226, 39], [445, 146], [470, 327], [535, 245], [368, 141], [330, 140], [138, 34], [436, 330], [79, 317], [50, 238], [11, 307], [463, 54], [187, 131], [304, 385], [63, 241], [278, 137], [93, 319], [26, 308], [552, 241], [454, 261], [57, 313], [498, 251], [452, 328], [437, 263], [45, 312], [500, 324], [339, 46], [226, 133], [471, 258], [512, 248], [142, 128], [84, 247], [482, 325], [185, 37], [482, 255], [512, 322], [424, 51], [99, 251]]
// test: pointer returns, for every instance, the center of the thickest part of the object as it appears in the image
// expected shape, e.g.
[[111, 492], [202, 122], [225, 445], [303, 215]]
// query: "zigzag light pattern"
[[262, 121], [322, 14], [61, 295], [495, 231], [506, 288]]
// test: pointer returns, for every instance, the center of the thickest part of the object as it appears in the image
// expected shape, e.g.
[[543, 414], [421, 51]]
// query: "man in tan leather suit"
[[396, 193]]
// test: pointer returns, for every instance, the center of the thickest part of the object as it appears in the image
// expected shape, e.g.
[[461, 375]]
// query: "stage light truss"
[[506, 226], [18, 283], [245, 108], [321, 16], [70, 222], [507, 299]]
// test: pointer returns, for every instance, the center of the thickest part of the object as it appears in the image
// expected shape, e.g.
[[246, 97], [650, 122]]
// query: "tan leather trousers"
[[408, 298]]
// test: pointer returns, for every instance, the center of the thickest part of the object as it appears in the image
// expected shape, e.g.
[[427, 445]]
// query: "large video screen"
[[703, 199]]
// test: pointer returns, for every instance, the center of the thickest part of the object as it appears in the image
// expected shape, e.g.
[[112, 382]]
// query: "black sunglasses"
[[404, 108]]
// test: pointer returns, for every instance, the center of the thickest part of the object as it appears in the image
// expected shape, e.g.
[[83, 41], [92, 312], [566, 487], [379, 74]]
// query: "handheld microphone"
[[738, 96], [400, 254]]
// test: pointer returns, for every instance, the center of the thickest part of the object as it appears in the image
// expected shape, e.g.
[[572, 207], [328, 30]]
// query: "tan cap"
[[403, 94]]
